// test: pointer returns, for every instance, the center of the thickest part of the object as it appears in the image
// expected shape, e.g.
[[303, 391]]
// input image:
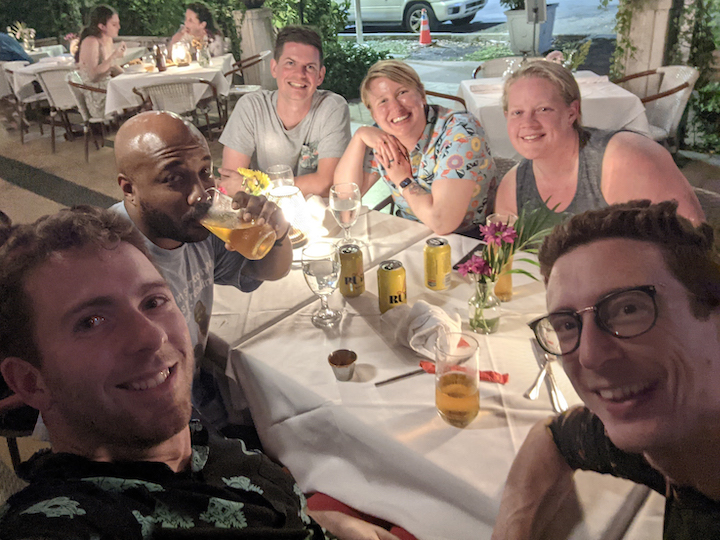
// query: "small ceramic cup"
[[342, 362]]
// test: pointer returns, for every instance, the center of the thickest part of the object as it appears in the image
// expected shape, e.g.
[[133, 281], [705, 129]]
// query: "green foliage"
[[326, 16], [575, 54], [49, 18], [489, 51], [691, 30], [346, 64], [705, 104], [147, 17]]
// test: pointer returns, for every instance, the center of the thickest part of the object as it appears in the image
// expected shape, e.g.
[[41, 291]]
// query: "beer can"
[[352, 277], [392, 289], [437, 264]]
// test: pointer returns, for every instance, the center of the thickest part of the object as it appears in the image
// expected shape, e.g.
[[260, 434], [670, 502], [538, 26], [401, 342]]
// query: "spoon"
[[534, 391]]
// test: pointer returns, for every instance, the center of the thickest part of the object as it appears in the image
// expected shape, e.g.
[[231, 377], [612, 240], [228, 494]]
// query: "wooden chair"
[[179, 97], [236, 92], [77, 87], [665, 108], [440, 95], [24, 97], [54, 83]]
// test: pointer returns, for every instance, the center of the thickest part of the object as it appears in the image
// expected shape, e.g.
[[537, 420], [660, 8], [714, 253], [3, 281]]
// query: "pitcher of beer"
[[251, 240]]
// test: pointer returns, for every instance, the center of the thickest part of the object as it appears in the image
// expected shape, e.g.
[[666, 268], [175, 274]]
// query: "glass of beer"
[[251, 240], [503, 285], [457, 362]]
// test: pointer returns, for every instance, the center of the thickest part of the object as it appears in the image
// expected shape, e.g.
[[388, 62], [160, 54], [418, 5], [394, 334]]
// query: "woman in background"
[[97, 55], [200, 25]]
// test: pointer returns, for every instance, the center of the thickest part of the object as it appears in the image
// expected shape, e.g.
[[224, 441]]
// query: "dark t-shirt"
[[227, 492], [581, 439]]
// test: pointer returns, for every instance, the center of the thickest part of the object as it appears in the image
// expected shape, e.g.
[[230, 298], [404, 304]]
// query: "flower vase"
[[203, 57], [484, 309]]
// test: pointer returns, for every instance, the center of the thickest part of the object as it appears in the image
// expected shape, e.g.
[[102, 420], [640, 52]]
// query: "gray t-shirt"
[[588, 195], [190, 271], [255, 129]]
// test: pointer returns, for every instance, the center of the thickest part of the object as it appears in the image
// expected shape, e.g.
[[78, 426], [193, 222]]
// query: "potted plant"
[[521, 31]]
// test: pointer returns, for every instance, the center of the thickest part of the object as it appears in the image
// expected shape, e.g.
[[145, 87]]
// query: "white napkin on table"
[[418, 327]]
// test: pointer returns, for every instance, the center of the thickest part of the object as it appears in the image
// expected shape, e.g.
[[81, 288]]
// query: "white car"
[[408, 12]]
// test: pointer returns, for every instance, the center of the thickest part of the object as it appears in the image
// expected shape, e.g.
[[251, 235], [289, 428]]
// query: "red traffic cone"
[[425, 38]]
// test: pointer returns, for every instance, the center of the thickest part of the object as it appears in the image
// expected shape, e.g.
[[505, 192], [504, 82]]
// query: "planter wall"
[[521, 31]]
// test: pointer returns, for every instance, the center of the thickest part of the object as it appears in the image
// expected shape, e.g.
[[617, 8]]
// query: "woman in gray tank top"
[[573, 169]]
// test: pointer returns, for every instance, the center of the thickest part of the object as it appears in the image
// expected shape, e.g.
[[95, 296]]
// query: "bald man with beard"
[[164, 169]]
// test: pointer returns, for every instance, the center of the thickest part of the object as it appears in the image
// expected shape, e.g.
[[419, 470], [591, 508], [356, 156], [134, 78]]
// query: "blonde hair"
[[395, 70], [560, 77]]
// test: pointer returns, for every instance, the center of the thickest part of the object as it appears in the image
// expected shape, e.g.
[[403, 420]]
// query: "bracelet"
[[283, 237]]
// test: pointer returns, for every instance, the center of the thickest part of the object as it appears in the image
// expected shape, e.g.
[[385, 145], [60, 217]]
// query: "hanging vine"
[[624, 47]]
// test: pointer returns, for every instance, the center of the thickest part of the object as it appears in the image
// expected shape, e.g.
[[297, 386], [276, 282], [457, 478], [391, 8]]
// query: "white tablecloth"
[[44, 52], [120, 93], [604, 105], [384, 450], [237, 315], [25, 76]]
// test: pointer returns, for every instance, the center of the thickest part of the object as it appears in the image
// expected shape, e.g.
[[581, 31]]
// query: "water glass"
[[345, 201], [281, 175], [321, 268]]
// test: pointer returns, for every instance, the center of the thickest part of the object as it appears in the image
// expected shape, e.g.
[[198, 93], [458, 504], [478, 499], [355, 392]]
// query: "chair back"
[[54, 83], [9, 68], [177, 97], [497, 67], [667, 111], [5, 89], [446, 100], [75, 82]]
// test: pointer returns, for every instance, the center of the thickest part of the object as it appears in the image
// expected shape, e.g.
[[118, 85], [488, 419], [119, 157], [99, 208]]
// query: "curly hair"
[[687, 250], [28, 246]]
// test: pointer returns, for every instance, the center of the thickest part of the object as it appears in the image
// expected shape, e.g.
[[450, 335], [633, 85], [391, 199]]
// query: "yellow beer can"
[[437, 264], [392, 289], [352, 276]]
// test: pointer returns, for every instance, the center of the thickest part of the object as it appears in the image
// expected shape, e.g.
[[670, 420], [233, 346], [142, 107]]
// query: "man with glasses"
[[633, 292]]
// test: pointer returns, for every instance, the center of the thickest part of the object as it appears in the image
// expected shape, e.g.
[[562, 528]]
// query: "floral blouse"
[[452, 146]]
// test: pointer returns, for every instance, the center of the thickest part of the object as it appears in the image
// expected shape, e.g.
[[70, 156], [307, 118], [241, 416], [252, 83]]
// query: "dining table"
[[46, 51], [384, 450], [605, 105], [120, 95]]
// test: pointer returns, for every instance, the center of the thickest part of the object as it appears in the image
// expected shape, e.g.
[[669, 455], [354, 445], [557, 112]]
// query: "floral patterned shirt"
[[452, 146], [226, 492]]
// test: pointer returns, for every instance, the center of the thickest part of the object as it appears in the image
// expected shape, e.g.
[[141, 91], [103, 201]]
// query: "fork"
[[558, 401]]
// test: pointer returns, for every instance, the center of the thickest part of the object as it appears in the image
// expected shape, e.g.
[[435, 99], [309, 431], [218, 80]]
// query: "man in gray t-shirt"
[[296, 125]]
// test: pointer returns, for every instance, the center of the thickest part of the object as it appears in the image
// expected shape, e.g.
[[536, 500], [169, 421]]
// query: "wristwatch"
[[405, 183]]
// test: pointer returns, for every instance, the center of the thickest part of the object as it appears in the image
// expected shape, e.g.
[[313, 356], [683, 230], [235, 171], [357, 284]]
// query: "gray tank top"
[[588, 195]]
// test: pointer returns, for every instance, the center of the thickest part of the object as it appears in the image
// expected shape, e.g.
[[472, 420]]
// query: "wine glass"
[[281, 175], [345, 200], [321, 268]]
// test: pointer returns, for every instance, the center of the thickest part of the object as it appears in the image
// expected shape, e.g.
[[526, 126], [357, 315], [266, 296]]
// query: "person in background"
[[11, 50], [435, 161], [633, 292], [296, 125], [97, 55], [91, 336], [572, 168], [200, 27]]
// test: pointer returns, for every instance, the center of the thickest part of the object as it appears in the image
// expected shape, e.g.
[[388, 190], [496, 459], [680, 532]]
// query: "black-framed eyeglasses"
[[624, 314]]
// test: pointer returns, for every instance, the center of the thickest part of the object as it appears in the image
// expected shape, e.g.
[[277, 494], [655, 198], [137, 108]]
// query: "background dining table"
[[120, 93], [46, 51], [384, 450], [605, 105]]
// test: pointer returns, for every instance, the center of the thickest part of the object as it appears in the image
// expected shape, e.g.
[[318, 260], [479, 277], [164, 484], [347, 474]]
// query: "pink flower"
[[497, 233], [476, 265]]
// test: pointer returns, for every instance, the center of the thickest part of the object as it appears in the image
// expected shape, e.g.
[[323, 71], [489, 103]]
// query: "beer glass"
[[457, 396], [345, 206], [246, 237], [321, 268], [503, 285]]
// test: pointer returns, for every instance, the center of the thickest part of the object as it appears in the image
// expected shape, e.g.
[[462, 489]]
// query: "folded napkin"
[[418, 327], [486, 88]]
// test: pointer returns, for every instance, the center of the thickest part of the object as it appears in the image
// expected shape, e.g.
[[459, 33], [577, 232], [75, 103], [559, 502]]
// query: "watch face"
[[405, 183]]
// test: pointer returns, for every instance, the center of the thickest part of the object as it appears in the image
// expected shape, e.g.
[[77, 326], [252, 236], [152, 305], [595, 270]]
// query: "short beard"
[[163, 226]]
